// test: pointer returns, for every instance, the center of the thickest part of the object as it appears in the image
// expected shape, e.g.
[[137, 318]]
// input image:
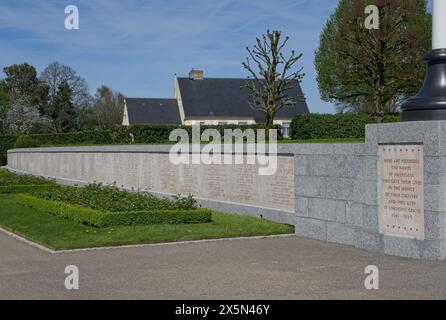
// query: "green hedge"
[[333, 126], [110, 198], [6, 142], [26, 188], [97, 218], [26, 141], [10, 179], [160, 133], [118, 135]]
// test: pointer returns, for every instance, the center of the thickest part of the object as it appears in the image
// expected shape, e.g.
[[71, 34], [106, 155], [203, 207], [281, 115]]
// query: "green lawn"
[[58, 233]]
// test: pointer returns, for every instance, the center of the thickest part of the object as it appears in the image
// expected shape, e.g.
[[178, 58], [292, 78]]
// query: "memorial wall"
[[385, 195], [149, 171]]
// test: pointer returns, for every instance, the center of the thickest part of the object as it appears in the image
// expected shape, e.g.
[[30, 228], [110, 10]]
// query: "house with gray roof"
[[208, 101]]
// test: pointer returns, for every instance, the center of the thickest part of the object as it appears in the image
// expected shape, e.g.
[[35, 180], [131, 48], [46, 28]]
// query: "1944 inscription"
[[401, 190]]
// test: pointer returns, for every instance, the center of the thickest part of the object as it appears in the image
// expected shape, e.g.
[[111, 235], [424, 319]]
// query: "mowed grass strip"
[[58, 233]]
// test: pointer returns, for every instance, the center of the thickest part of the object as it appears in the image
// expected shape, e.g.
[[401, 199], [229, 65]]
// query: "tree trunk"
[[269, 121]]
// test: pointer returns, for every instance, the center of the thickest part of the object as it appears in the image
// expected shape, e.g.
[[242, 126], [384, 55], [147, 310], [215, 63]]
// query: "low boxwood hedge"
[[110, 198], [98, 218], [26, 188], [8, 178]]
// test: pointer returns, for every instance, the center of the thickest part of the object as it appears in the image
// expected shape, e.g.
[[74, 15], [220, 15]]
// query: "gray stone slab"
[[430, 133], [340, 233], [310, 228], [435, 225], [433, 249], [409, 248], [366, 192], [354, 214], [435, 170], [340, 188], [368, 240], [301, 165], [306, 186], [327, 209], [370, 218], [341, 166], [434, 197], [369, 167], [302, 206]]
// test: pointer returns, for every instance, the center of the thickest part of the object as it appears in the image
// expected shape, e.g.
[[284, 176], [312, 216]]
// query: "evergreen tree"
[[61, 109]]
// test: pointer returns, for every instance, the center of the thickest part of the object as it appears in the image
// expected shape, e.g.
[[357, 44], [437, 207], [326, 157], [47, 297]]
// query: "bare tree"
[[270, 86], [56, 73]]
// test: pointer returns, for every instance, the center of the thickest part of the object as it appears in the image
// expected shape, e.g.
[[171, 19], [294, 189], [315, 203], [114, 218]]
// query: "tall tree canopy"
[[273, 74], [373, 70], [108, 108], [21, 82], [61, 109], [4, 107], [56, 73]]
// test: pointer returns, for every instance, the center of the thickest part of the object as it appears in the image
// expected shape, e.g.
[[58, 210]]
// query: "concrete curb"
[[28, 242]]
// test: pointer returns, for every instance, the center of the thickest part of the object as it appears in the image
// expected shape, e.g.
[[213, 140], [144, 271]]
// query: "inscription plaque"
[[401, 190]]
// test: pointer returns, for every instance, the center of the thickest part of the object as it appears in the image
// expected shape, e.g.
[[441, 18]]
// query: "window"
[[286, 129], [222, 123]]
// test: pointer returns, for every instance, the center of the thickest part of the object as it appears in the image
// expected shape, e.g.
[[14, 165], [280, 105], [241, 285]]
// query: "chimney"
[[196, 74]]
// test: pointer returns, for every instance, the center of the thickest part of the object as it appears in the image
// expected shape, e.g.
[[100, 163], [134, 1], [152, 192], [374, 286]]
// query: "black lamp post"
[[430, 102]]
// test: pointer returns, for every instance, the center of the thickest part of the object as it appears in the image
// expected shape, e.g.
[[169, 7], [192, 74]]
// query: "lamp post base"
[[430, 102]]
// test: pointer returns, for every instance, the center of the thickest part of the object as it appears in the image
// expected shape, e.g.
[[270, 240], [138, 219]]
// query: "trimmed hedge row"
[[26, 188], [101, 219], [8, 178], [110, 198], [333, 126], [118, 135]]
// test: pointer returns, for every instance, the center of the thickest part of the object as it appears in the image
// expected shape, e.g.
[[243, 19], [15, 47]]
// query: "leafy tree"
[[61, 109], [270, 85], [56, 73], [373, 70], [22, 117], [86, 119], [4, 107], [108, 108], [21, 83]]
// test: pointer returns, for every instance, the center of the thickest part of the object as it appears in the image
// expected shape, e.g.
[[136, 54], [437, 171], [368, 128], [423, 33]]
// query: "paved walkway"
[[272, 268]]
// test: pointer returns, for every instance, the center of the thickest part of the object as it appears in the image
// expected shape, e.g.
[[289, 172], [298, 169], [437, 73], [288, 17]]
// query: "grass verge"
[[58, 233]]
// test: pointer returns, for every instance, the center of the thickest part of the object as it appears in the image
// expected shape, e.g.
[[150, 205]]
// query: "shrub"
[[6, 142], [26, 141], [333, 126], [117, 135], [11, 179], [110, 198], [25, 188], [98, 218], [160, 133]]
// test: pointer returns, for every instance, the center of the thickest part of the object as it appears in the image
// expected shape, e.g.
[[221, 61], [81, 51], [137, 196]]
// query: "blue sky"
[[137, 46]]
